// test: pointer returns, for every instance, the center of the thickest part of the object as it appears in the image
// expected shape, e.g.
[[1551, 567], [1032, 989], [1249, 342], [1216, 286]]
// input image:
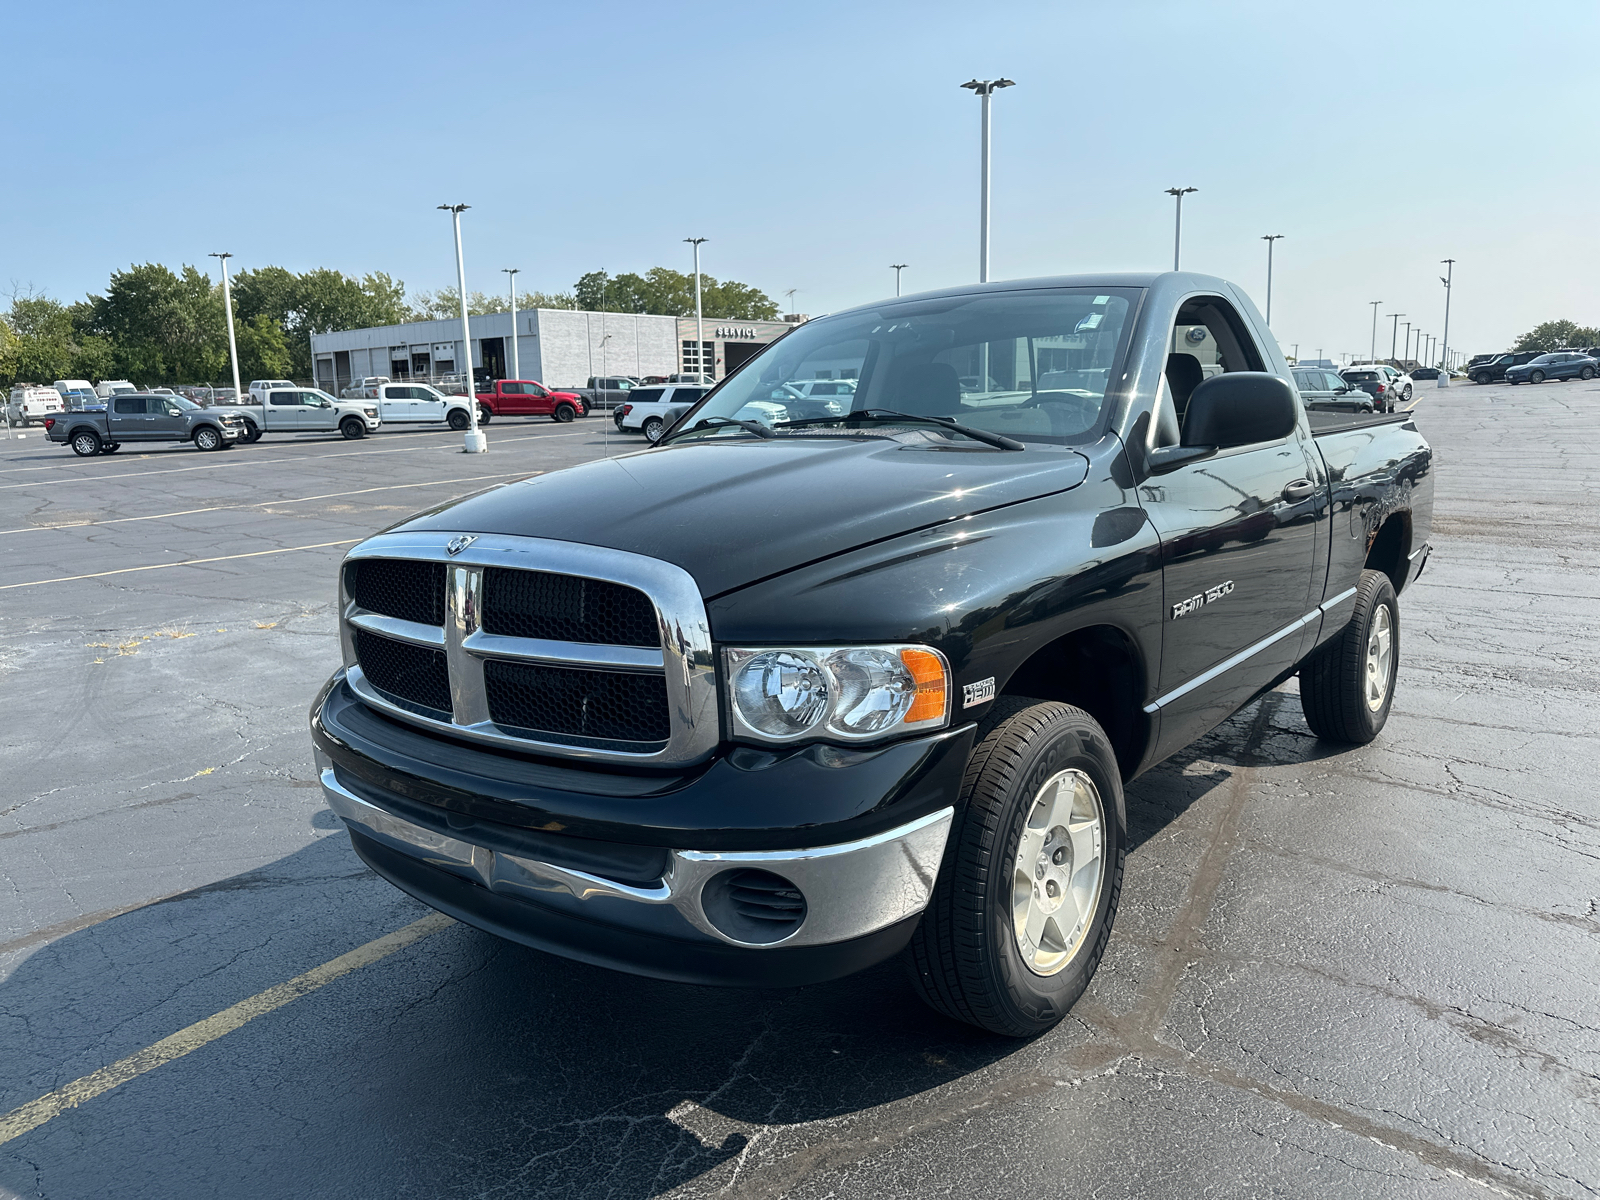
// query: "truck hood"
[[731, 512]]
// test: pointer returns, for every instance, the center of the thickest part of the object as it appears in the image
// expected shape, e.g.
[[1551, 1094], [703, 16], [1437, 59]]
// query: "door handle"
[[1298, 490]]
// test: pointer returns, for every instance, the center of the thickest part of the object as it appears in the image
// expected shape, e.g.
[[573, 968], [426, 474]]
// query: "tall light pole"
[[475, 442], [897, 267], [516, 362], [233, 346], [1372, 355], [1177, 229], [1449, 274], [1408, 339], [699, 332], [1268, 238], [985, 88], [1394, 335]]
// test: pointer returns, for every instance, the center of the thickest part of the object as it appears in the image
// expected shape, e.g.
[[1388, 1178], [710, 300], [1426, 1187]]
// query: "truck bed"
[[1337, 422]]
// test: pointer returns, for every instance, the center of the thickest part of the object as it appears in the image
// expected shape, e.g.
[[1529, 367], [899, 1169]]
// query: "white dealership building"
[[556, 347]]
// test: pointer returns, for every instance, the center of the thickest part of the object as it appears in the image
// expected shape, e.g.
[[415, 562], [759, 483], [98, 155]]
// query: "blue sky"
[[816, 143]]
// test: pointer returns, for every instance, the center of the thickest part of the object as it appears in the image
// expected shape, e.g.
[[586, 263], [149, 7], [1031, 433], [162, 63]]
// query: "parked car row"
[[1520, 366]]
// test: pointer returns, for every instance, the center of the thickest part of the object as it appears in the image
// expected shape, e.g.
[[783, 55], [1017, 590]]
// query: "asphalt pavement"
[[1335, 972]]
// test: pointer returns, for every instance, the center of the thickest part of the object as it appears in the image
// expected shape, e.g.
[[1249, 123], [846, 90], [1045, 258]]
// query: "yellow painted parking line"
[[36, 1112], [188, 562], [189, 512]]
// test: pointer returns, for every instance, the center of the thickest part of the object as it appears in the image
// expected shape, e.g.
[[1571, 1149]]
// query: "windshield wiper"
[[998, 440], [755, 427]]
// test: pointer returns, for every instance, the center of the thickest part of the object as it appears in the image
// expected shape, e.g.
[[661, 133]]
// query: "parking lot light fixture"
[[516, 362], [984, 88], [699, 332], [897, 267], [1269, 238], [227, 308], [1177, 227], [475, 442]]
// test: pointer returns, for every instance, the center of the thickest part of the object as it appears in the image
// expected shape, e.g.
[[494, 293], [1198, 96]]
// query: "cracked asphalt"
[[1362, 973]]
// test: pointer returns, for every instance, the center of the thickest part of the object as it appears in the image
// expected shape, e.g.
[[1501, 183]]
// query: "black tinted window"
[[645, 395], [134, 404]]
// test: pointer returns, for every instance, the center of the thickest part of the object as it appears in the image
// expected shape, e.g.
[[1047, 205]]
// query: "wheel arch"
[[1099, 669], [1390, 549]]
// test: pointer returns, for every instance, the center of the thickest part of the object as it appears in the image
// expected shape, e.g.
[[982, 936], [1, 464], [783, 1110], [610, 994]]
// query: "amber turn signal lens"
[[928, 671]]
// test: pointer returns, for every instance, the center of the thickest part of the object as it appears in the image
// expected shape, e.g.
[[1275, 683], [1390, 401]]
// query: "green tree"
[[442, 305], [547, 300], [670, 293], [1552, 335], [263, 348], [164, 328], [40, 338], [316, 302]]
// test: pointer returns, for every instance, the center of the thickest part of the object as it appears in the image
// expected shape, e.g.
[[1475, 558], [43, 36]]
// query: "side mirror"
[[1239, 408]]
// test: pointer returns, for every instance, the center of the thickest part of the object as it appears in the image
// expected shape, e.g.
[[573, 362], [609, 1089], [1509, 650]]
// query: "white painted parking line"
[[189, 512], [247, 461], [188, 562]]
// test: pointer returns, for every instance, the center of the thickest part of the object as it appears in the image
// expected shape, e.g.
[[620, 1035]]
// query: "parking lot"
[[1354, 973]]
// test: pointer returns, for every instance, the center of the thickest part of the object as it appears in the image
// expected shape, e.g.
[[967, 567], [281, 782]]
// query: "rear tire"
[[563, 414], [207, 438], [652, 429], [458, 419], [86, 443], [1347, 686], [1040, 822], [353, 429]]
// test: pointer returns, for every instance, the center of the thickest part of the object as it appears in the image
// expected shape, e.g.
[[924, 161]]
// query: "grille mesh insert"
[[567, 608], [413, 675], [400, 588], [604, 705]]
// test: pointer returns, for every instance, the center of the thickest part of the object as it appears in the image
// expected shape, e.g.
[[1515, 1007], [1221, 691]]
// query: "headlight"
[[852, 693], [371, 412]]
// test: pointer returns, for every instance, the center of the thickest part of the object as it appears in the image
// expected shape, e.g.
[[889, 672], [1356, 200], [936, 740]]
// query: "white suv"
[[652, 410]]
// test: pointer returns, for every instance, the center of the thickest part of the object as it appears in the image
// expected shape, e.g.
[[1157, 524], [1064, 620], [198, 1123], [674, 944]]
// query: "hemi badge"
[[977, 693]]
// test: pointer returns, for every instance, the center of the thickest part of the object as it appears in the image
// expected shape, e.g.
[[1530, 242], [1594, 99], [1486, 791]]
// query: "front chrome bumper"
[[851, 889]]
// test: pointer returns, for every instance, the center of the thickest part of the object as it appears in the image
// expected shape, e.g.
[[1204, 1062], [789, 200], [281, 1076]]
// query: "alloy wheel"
[[1059, 872], [1380, 658]]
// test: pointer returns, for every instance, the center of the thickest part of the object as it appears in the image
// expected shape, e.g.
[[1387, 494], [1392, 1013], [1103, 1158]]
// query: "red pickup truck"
[[525, 398]]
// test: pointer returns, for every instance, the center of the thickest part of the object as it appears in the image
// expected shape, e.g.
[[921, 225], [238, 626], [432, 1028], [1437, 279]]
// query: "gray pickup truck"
[[145, 417]]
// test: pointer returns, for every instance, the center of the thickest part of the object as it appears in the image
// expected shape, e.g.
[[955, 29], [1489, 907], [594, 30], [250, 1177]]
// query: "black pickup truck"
[[784, 696]]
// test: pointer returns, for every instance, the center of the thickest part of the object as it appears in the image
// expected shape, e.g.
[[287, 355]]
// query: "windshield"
[[180, 403], [1031, 365]]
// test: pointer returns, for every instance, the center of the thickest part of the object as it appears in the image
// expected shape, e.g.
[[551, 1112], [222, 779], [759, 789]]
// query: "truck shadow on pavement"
[[464, 1065]]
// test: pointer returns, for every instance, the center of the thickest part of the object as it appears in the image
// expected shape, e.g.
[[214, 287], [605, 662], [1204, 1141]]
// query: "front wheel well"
[[1098, 670]]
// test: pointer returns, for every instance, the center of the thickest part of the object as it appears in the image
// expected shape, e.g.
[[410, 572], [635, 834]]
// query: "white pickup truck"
[[419, 404], [304, 410]]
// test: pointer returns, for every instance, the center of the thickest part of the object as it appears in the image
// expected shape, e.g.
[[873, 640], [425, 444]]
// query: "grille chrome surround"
[[684, 660]]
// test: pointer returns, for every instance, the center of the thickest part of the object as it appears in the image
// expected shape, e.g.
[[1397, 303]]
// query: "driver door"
[[164, 421]]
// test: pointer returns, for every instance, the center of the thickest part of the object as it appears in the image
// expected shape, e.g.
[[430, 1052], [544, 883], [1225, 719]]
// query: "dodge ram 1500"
[[871, 682]]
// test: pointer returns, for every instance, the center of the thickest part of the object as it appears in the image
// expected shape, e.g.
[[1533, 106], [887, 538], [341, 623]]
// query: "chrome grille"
[[568, 608], [411, 591], [605, 705], [574, 650], [411, 674]]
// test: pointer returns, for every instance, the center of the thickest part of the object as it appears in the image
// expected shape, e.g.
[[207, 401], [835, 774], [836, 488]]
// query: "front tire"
[[251, 434], [207, 438], [484, 415], [353, 429], [1480, 379], [563, 414], [1347, 686], [110, 447], [1536, 377], [86, 443], [1031, 876], [458, 419], [652, 429], [1586, 374]]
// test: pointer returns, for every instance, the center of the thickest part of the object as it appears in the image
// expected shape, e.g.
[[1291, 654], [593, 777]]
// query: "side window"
[[133, 405], [510, 389], [280, 398], [1208, 338]]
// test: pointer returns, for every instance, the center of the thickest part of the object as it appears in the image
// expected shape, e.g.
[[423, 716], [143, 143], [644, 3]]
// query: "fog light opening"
[[756, 907]]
